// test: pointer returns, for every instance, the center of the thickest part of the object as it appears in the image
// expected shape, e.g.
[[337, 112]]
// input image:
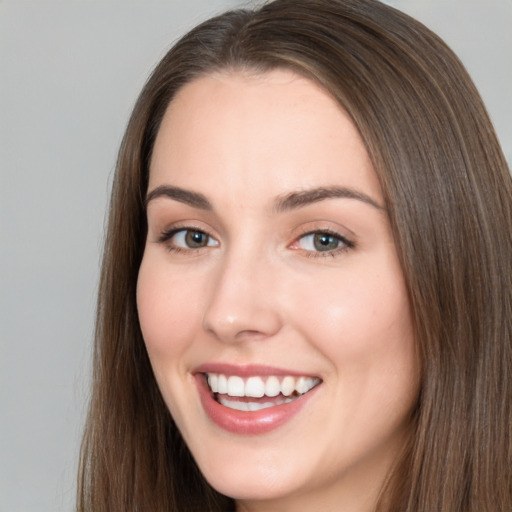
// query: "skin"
[[259, 292]]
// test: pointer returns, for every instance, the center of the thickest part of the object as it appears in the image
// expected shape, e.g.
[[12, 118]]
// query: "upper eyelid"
[[346, 240], [312, 231], [192, 225], [166, 234], [312, 228]]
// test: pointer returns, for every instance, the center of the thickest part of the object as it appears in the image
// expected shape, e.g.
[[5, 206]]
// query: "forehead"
[[272, 133]]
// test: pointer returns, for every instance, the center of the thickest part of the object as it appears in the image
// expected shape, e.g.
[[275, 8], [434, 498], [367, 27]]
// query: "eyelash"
[[346, 244], [167, 236]]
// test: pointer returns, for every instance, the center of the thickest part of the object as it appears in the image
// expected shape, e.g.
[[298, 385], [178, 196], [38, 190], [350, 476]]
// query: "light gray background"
[[70, 71]]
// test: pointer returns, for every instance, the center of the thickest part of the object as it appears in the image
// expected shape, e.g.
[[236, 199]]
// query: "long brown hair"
[[448, 192]]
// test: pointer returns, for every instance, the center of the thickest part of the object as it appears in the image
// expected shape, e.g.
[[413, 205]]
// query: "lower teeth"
[[252, 406]]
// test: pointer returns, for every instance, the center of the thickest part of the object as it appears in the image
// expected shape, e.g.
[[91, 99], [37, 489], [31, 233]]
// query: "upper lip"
[[249, 370]]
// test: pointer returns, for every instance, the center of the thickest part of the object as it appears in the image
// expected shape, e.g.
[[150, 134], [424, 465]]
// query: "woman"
[[305, 299]]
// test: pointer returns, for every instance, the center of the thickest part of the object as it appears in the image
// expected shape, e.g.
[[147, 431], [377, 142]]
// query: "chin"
[[250, 474], [260, 485]]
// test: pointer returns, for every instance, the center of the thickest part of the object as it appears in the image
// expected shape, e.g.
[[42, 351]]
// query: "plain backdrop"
[[70, 71]]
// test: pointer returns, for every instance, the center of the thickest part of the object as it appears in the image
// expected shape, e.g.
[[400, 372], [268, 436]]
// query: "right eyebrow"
[[182, 195]]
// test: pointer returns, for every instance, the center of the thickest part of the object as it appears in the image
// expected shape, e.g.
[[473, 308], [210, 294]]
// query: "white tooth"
[[232, 404], [213, 381], [254, 387], [311, 383], [288, 386], [244, 406], [222, 384], [272, 386], [254, 406], [301, 386], [236, 386]]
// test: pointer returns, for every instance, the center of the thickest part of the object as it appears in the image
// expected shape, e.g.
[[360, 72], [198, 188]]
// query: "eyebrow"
[[291, 201], [193, 199], [303, 198]]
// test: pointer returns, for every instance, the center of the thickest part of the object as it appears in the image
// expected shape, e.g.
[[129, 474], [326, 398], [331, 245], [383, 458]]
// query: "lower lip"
[[248, 423]]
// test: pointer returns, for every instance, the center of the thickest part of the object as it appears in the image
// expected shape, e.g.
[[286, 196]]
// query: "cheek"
[[362, 326], [359, 320], [168, 310]]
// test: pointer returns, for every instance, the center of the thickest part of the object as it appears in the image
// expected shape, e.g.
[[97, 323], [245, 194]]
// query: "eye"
[[322, 242], [188, 239]]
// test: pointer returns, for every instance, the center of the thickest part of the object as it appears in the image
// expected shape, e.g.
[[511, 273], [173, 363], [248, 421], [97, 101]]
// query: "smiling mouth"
[[256, 393]]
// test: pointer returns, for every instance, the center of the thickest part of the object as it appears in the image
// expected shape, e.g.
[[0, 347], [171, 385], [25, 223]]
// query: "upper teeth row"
[[260, 386]]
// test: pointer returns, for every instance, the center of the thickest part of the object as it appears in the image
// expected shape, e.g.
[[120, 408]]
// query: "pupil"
[[196, 239], [325, 242]]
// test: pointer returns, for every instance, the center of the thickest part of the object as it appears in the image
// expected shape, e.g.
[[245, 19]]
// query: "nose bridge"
[[241, 303]]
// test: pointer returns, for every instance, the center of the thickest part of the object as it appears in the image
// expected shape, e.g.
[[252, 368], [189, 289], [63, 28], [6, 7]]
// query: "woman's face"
[[270, 272]]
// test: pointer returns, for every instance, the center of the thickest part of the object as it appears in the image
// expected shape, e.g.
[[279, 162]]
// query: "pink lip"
[[247, 370], [242, 422]]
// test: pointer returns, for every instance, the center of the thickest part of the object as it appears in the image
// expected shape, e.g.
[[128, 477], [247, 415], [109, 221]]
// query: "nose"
[[242, 302]]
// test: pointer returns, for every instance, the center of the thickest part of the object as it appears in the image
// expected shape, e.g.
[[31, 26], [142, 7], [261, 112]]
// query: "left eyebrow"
[[303, 198]]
